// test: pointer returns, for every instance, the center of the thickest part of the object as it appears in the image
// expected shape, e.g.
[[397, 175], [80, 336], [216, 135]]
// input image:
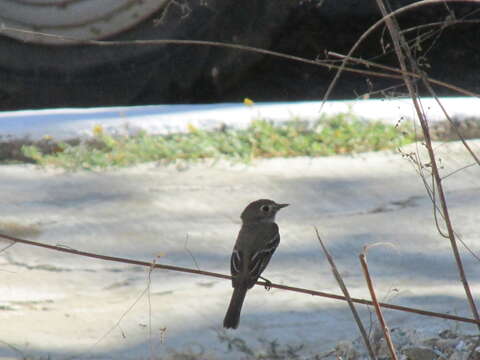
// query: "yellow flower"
[[191, 128], [98, 130], [248, 102]]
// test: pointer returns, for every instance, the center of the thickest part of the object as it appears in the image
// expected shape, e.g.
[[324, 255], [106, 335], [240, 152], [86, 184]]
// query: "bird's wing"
[[236, 262], [252, 253], [261, 256]]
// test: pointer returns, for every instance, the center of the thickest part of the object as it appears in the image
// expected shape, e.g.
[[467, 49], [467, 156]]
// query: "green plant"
[[341, 134]]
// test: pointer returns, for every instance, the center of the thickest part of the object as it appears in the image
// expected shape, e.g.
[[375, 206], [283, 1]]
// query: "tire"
[[41, 76]]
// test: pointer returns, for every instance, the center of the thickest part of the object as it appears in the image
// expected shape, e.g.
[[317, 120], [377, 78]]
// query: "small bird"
[[256, 242]]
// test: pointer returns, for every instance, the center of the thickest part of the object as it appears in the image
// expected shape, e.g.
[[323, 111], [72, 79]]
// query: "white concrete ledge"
[[64, 124]]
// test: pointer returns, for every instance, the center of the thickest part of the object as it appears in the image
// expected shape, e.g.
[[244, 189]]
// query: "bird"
[[256, 242]]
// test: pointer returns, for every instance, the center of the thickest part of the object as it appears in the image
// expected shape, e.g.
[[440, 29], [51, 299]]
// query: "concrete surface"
[[60, 305], [62, 124]]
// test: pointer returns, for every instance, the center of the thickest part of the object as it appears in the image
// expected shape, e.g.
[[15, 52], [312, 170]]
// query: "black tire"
[[40, 76]]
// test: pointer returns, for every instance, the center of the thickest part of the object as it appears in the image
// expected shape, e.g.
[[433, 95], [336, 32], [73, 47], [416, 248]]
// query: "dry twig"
[[407, 62], [222, 276], [342, 285], [398, 71], [316, 62], [372, 28], [378, 311]]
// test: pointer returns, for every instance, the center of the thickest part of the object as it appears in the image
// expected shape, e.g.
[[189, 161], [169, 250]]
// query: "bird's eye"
[[265, 208]]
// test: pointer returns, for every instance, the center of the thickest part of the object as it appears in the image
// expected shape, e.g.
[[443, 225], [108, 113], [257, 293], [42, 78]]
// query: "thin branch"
[[378, 311], [342, 285], [444, 24], [15, 349], [431, 195], [458, 170], [467, 247], [6, 247], [404, 71], [454, 126], [403, 54], [119, 320], [396, 70], [74, 41], [317, 62], [222, 276], [374, 27], [149, 301], [185, 246]]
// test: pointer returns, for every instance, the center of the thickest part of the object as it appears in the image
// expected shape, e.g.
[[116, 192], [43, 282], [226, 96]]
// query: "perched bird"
[[257, 240]]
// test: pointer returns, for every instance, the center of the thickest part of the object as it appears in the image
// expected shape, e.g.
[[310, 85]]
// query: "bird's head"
[[263, 210]]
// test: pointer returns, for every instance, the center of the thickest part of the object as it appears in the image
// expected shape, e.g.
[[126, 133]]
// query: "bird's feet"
[[268, 283]]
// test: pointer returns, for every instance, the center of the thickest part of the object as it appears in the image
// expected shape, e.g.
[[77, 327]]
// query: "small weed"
[[341, 134], [270, 349]]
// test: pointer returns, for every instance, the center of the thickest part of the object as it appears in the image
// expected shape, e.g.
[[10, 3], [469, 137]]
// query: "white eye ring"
[[265, 208]]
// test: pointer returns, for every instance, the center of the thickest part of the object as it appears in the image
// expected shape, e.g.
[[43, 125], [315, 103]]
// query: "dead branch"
[[317, 62], [372, 28], [342, 285], [396, 70], [406, 61], [378, 311], [227, 277]]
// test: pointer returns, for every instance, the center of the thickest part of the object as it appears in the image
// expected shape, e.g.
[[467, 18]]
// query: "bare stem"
[[396, 70], [403, 54], [157, 42], [342, 285], [222, 276], [372, 28], [376, 305]]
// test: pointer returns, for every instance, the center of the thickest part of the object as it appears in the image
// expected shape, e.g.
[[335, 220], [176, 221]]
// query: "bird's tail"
[[232, 317]]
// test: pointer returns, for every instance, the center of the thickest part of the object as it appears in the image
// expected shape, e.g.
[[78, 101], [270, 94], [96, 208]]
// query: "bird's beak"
[[279, 206]]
